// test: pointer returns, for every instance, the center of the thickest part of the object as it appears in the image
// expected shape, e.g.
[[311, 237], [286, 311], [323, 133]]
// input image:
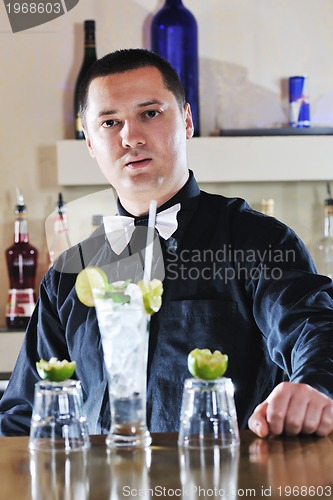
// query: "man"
[[235, 280]]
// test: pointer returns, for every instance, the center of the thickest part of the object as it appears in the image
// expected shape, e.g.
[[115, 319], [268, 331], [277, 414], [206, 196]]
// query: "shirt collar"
[[188, 197], [185, 196]]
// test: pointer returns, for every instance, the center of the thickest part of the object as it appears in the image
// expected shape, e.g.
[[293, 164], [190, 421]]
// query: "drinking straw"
[[148, 264]]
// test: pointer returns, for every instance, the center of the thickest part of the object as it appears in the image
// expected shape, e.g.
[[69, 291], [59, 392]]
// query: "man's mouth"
[[138, 163]]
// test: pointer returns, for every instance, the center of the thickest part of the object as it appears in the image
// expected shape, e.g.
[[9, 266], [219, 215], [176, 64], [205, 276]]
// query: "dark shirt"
[[235, 280]]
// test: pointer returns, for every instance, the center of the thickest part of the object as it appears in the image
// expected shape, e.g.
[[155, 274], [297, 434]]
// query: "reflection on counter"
[[293, 464], [59, 476], [212, 470], [277, 467]]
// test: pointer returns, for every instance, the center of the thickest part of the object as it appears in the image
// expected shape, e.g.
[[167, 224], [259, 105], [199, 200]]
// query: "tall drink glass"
[[124, 329]]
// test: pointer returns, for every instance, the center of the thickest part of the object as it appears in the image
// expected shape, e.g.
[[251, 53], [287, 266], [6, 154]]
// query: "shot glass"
[[58, 421], [208, 414]]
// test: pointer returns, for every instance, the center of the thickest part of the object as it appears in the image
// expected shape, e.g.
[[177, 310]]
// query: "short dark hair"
[[124, 60]]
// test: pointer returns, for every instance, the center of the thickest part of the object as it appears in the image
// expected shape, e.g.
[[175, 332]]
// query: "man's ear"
[[188, 121], [89, 146]]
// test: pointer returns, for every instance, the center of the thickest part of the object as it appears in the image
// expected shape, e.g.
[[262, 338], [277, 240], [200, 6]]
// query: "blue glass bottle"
[[174, 36]]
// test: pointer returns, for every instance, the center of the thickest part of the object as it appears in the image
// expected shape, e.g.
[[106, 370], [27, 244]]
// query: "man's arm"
[[44, 338], [16, 403], [295, 313]]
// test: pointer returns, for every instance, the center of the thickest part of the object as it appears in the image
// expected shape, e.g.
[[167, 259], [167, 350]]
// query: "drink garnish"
[[204, 364], [117, 291], [87, 279], [55, 370], [151, 295], [121, 292]]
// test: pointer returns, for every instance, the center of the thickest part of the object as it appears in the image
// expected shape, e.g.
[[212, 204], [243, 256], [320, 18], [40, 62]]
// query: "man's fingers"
[[308, 412], [293, 409], [312, 418], [257, 422], [326, 423], [278, 402], [297, 408]]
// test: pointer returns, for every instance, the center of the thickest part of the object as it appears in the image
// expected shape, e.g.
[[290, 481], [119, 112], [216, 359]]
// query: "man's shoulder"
[[235, 206], [232, 206], [236, 216], [84, 253]]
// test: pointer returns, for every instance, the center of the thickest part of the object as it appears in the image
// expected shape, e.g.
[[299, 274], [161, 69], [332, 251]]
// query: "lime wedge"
[[202, 363], [55, 370], [151, 295], [87, 279]]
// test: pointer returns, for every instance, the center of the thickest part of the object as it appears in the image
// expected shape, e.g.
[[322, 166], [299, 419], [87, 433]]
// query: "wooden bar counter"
[[259, 468]]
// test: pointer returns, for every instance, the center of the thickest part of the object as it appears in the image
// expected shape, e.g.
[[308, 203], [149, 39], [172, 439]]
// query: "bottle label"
[[60, 225], [20, 302], [20, 262]]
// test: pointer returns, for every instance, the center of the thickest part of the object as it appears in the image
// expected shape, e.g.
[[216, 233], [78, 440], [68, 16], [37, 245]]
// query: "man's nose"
[[132, 135]]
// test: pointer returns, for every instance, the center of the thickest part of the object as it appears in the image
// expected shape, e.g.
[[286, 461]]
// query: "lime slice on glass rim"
[[89, 278], [204, 364], [151, 295], [55, 370], [93, 277]]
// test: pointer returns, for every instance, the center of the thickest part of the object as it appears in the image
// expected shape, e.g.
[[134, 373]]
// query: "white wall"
[[246, 48]]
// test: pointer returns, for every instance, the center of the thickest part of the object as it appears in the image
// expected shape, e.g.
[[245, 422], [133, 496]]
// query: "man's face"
[[137, 134]]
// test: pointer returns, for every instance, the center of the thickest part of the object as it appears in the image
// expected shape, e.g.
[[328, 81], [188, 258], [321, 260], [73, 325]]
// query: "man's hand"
[[293, 409]]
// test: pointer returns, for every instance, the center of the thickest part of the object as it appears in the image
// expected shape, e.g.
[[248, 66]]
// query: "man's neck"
[[140, 205]]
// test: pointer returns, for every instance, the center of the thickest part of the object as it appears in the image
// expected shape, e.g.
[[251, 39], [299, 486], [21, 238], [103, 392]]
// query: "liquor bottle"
[[21, 260], [88, 59], [174, 36], [323, 250], [59, 240], [267, 206]]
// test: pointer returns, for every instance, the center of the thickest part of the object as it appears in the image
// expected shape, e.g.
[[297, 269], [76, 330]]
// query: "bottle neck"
[[21, 229], [267, 206], [89, 40], [173, 3], [60, 223], [328, 224], [89, 54]]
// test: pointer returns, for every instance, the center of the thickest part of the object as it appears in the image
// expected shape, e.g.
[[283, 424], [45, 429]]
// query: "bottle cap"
[[89, 24], [60, 203], [20, 205]]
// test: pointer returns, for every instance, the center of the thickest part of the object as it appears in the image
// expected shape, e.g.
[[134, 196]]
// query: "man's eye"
[[151, 113], [109, 123]]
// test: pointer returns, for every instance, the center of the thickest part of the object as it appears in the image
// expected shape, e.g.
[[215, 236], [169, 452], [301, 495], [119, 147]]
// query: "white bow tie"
[[119, 228]]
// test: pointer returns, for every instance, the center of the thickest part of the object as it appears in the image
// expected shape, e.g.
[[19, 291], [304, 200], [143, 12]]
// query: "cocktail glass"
[[124, 329]]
